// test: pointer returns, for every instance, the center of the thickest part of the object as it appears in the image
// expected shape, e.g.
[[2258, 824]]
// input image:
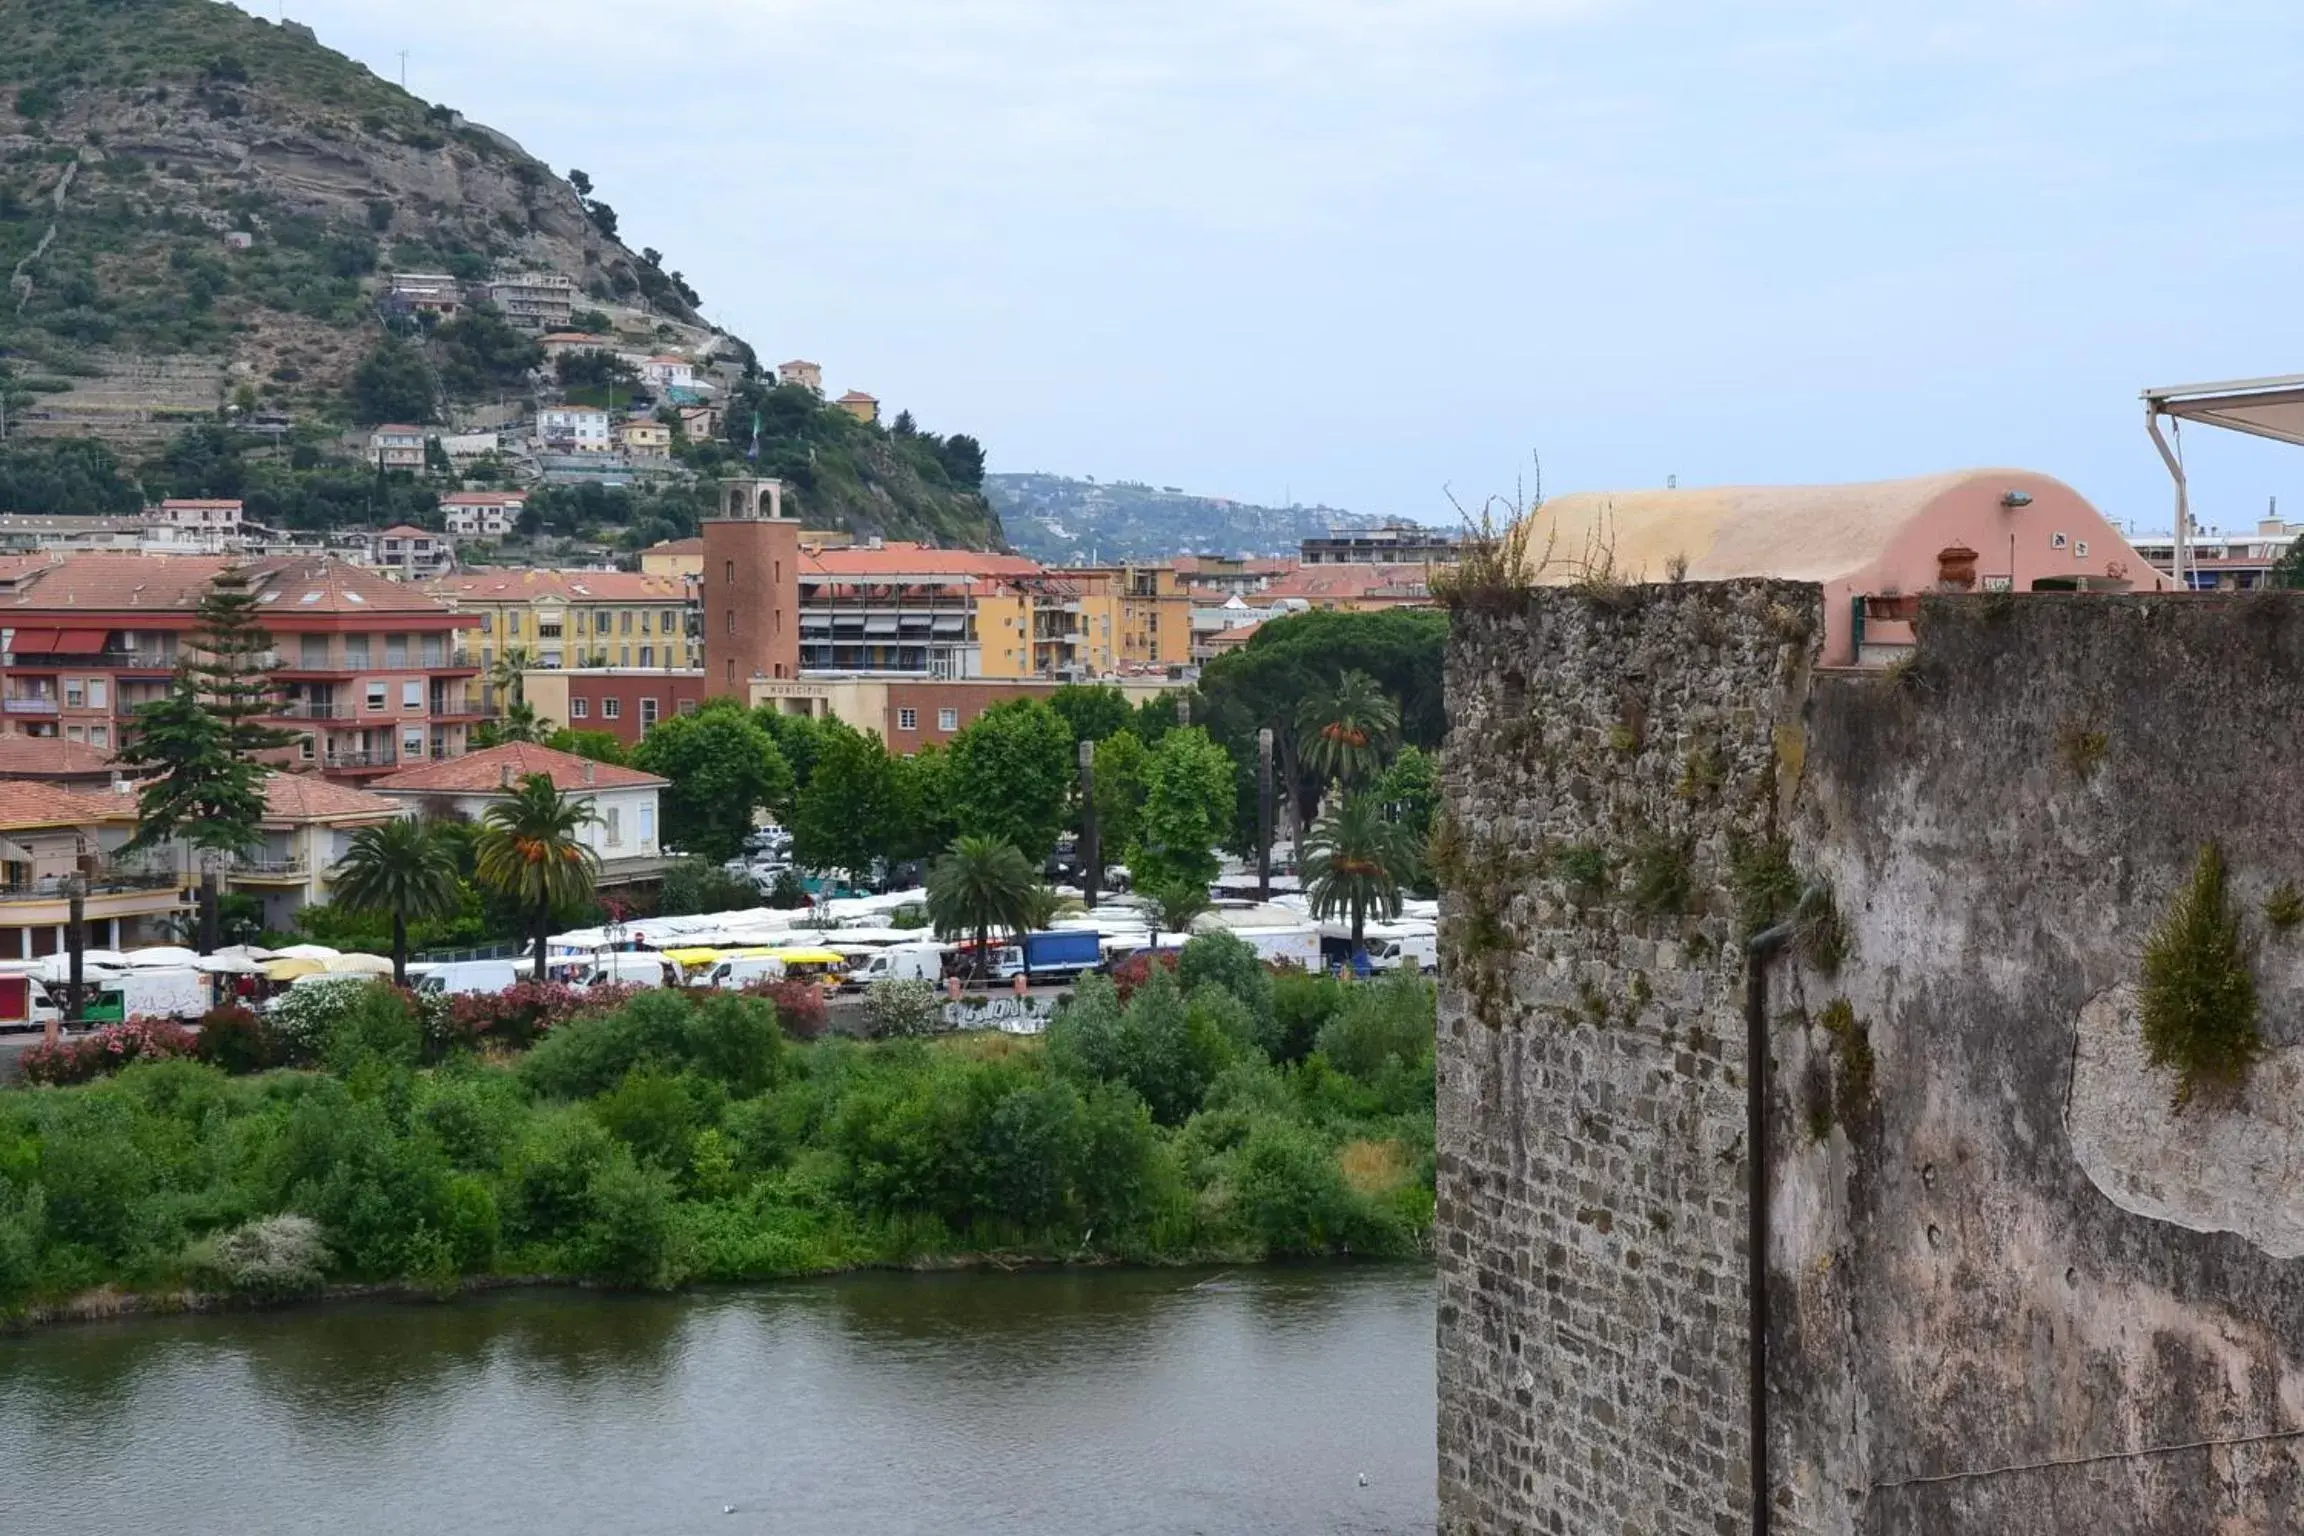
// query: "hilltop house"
[[397, 447], [800, 371], [864, 407], [483, 514], [573, 428]]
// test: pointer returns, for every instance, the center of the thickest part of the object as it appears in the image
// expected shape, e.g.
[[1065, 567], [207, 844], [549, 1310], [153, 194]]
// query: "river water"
[[1134, 1402]]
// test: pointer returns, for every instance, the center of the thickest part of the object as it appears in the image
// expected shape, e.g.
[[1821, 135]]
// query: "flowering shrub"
[[301, 1019], [234, 1039], [903, 1008], [521, 1014], [106, 1051], [273, 1257], [799, 1006], [1134, 971]]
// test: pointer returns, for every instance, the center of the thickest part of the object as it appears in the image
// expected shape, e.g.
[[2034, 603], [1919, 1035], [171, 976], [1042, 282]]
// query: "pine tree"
[[230, 667], [196, 788]]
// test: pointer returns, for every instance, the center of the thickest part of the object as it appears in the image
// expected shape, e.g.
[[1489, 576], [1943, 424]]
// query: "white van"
[[453, 978], [900, 962], [735, 974], [631, 968]]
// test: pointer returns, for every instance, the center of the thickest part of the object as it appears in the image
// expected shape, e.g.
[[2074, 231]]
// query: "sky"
[[1391, 254]]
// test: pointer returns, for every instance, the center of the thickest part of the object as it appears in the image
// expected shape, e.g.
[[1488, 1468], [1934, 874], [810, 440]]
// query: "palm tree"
[[980, 884], [1345, 734], [1042, 906], [1357, 863], [504, 673], [519, 722], [529, 852], [403, 869], [1171, 908]]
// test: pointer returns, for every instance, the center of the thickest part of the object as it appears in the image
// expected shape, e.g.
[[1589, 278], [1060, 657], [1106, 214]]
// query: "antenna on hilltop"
[[403, 69]]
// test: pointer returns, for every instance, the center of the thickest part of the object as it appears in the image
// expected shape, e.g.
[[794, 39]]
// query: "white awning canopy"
[[2271, 408]]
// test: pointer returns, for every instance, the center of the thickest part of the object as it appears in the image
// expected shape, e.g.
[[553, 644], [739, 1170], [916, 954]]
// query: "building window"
[[647, 826], [623, 655], [487, 655], [579, 709], [412, 694], [304, 748], [907, 719], [687, 706], [666, 623], [315, 649], [435, 650], [611, 709], [355, 651], [376, 696], [512, 626], [612, 824], [99, 735], [488, 621], [731, 575], [75, 733], [647, 625], [395, 651], [731, 623], [624, 621], [947, 719], [412, 746], [647, 713], [74, 694], [647, 655]]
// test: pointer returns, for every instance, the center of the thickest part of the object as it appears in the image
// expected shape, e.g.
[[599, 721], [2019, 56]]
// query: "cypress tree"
[[230, 667]]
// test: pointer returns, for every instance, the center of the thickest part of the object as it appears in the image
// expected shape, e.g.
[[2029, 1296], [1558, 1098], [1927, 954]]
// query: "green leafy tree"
[[1357, 862], [600, 746], [530, 852], [230, 664], [922, 816], [799, 738], [723, 768], [1188, 792], [401, 869], [842, 819], [1344, 733], [194, 787], [1173, 908], [1011, 776], [1093, 710], [980, 885], [1409, 791], [393, 384], [507, 673], [1121, 762], [2288, 570]]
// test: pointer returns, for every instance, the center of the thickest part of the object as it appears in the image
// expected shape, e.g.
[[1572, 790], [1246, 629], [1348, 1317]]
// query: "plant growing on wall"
[[2199, 996]]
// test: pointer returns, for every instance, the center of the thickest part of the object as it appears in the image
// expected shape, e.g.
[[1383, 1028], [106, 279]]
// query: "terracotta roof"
[[857, 397], [28, 803], [1347, 581], [797, 362], [400, 430], [307, 797], [666, 357], [518, 585], [483, 772], [192, 503], [51, 757], [406, 531], [482, 498], [900, 559], [676, 547]]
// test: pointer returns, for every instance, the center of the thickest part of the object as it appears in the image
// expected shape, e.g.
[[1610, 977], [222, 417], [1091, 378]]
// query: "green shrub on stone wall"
[[2199, 995]]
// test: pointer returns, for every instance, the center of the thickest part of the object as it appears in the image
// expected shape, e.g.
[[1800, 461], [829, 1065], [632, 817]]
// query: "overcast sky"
[[1363, 251]]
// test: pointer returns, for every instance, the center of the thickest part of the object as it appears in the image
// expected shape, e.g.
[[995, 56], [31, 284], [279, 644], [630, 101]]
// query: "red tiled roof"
[[900, 559], [307, 797], [51, 757], [510, 585], [28, 803], [101, 581], [676, 547], [407, 531], [194, 503], [857, 397], [400, 429], [483, 498], [1347, 581], [483, 772]]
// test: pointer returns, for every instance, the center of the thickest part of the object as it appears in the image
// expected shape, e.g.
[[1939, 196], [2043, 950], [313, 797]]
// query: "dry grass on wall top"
[[2199, 993]]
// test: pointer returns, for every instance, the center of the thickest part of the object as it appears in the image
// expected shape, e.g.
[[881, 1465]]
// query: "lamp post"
[[76, 946], [1264, 814], [1091, 849]]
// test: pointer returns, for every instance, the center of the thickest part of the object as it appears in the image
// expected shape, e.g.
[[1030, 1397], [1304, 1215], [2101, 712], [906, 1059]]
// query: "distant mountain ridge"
[[1060, 520]]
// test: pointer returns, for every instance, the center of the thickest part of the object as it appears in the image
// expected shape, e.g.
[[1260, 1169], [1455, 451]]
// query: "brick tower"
[[751, 588]]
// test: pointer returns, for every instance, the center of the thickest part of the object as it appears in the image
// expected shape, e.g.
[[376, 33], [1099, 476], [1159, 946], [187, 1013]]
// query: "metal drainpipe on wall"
[[1758, 950]]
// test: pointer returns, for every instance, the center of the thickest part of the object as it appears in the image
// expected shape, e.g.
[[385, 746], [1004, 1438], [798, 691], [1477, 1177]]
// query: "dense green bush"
[[679, 1136]]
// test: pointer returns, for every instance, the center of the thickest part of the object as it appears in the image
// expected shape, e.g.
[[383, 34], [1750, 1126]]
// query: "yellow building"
[[575, 618], [673, 557], [1134, 616], [864, 407], [647, 439]]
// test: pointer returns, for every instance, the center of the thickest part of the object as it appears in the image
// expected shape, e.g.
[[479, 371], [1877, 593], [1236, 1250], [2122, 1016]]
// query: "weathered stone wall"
[[1610, 756], [2013, 1288]]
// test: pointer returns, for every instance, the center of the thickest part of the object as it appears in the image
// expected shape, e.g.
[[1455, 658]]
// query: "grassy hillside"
[[1058, 518]]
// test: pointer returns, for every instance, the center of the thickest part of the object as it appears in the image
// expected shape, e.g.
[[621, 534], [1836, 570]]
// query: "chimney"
[[504, 774], [590, 770]]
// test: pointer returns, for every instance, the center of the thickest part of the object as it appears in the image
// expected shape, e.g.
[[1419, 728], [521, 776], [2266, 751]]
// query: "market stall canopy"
[[221, 964], [162, 955], [291, 968], [306, 952], [2271, 407], [357, 965]]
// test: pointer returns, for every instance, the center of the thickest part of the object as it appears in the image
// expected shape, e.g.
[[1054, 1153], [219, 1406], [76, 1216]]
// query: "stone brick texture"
[[1966, 1333]]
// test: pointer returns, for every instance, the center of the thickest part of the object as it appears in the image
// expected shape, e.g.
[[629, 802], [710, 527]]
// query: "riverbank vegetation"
[[1218, 1112]]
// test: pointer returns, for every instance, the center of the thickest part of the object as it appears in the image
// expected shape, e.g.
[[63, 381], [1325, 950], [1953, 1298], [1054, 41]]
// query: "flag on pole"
[[755, 454]]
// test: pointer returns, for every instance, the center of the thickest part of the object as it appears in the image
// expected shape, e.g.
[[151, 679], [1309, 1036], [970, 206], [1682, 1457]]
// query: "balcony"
[[138, 661], [269, 871], [457, 709], [30, 704], [355, 762], [105, 880], [306, 709]]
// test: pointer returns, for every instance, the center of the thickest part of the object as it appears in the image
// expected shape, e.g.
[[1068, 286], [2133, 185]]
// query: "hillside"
[[1059, 519], [199, 213]]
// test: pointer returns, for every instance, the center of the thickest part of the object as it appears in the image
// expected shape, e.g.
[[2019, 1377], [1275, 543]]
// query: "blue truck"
[[1053, 956]]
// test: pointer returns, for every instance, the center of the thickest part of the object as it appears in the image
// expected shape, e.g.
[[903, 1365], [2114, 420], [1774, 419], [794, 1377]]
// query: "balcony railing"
[[307, 709], [270, 868], [385, 758], [139, 661], [38, 704], [101, 882]]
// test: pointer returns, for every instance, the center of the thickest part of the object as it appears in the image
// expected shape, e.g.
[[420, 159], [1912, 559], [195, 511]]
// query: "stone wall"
[[2012, 1286]]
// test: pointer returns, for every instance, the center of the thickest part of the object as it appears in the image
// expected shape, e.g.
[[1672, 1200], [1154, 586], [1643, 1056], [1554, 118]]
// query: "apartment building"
[[1394, 543], [665, 371], [424, 293], [413, 552], [397, 447], [371, 672], [535, 301], [1134, 617], [864, 407], [645, 439], [50, 836], [674, 557], [482, 514], [905, 610], [308, 825], [575, 618], [573, 429]]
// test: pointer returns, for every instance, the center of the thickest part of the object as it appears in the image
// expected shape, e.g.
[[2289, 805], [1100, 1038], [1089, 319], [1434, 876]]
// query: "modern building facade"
[[1393, 543], [482, 514], [536, 301]]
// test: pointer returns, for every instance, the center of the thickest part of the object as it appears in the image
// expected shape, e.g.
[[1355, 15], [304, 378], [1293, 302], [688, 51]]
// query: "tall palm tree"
[[1344, 734], [519, 722], [980, 884], [529, 851], [505, 673], [1171, 908], [401, 868], [1357, 862], [1042, 906]]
